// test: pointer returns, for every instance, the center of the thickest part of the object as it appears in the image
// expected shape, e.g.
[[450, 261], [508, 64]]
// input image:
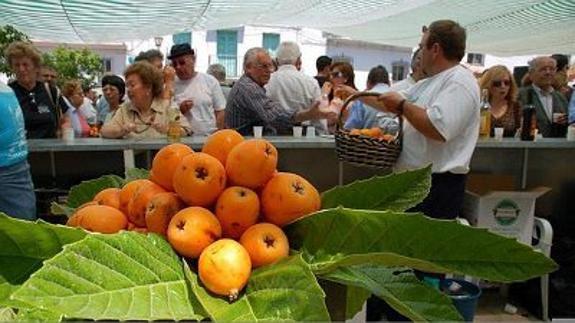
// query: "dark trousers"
[[444, 201]]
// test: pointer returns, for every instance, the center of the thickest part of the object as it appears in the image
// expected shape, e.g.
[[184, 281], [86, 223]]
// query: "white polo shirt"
[[451, 101]]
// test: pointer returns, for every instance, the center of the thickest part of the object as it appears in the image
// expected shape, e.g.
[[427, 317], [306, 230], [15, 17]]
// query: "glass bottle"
[[174, 128], [529, 119], [485, 115]]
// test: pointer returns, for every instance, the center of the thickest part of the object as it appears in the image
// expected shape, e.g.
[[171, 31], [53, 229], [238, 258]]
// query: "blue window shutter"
[[227, 50], [271, 42], [182, 38]]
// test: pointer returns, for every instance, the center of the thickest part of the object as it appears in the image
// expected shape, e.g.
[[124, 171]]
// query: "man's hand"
[[391, 101], [186, 106], [160, 127], [343, 91], [562, 120], [315, 113], [128, 128]]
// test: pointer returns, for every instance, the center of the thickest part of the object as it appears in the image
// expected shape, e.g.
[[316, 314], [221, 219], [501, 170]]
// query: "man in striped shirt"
[[249, 106]]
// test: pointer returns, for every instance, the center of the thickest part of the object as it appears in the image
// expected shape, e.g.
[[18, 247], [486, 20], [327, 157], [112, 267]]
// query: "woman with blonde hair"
[[505, 110]]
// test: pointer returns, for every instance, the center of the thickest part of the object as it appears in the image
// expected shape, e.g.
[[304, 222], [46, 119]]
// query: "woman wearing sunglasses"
[[505, 110]]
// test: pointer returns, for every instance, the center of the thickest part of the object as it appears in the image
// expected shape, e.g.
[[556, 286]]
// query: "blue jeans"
[[17, 197]]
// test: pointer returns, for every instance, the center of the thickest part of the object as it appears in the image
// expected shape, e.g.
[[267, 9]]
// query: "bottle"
[[485, 115], [174, 129], [529, 121]]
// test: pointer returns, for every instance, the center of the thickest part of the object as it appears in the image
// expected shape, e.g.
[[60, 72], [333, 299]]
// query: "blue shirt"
[[363, 116], [13, 148]]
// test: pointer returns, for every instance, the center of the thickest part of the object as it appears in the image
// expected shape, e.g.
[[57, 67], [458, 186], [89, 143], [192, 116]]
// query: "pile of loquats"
[[374, 132], [225, 205]]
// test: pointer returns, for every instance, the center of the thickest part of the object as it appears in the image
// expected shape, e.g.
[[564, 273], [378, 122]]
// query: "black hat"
[[180, 50], [116, 81]]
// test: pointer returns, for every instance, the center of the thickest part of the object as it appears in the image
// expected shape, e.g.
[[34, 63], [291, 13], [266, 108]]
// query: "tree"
[[8, 35], [79, 64]]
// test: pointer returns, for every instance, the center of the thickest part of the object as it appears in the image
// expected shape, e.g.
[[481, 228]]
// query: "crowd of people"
[[438, 101]]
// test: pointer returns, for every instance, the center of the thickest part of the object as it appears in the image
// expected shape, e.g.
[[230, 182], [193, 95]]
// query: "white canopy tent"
[[500, 27]]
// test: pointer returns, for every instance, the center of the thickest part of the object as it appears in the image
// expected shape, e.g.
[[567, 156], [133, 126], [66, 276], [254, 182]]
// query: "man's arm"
[[220, 118], [417, 116]]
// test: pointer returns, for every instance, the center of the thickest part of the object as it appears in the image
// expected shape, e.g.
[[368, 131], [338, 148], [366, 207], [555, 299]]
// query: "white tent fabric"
[[501, 27]]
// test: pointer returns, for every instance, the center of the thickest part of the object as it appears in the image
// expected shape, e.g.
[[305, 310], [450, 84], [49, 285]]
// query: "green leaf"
[[25, 245], [125, 276], [36, 315], [394, 192], [355, 298], [137, 173], [287, 290], [7, 315], [60, 209], [85, 191], [342, 237], [401, 290]]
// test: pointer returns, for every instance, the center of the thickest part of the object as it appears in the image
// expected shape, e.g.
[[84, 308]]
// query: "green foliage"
[[137, 173], [400, 289], [25, 245], [126, 276], [342, 237], [8, 35], [287, 290], [395, 192], [74, 64]]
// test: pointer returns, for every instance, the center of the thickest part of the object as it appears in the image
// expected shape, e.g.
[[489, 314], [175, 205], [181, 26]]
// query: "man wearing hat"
[[198, 95]]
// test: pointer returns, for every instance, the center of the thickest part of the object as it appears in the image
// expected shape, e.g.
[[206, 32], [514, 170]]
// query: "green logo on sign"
[[506, 212]]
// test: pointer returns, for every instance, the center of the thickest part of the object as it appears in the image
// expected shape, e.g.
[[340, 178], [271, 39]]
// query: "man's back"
[[292, 89]]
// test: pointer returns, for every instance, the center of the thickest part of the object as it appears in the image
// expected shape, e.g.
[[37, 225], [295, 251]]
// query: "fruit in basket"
[[199, 179], [224, 268], [139, 202], [165, 163], [266, 243], [109, 197], [192, 229], [287, 197], [237, 209], [99, 218], [220, 143], [374, 132], [160, 211], [252, 163]]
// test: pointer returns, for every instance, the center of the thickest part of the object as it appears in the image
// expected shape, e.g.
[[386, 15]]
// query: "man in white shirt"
[[198, 95], [292, 89], [441, 116], [416, 74], [545, 99]]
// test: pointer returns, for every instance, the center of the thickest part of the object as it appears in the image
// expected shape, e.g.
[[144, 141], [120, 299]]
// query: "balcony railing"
[[230, 62]]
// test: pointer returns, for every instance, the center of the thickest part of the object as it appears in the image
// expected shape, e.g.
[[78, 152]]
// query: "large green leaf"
[[60, 209], [136, 173], [25, 245], [394, 192], [343, 237], [287, 290], [125, 276], [85, 191], [7, 315], [401, 290], [355, 298]]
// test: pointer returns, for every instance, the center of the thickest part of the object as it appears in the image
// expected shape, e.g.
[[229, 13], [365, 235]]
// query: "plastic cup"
[[258, 130], [297, 131], [310, 132], [571, 133], [68, 134], [498, 134]]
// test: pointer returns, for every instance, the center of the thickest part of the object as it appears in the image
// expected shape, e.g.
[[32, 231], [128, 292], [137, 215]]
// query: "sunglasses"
[[500, 83], [336, 74]]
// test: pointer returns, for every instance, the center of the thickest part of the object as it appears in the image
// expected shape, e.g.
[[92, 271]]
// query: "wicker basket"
[[366, 151]]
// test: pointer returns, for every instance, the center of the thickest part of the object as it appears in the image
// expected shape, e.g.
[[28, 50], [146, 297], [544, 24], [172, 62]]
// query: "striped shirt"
[[249, 106]]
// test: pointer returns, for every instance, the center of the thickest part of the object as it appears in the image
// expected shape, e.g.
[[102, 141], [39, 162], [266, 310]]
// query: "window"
[[227, 51], [398, 71], [475, 59], [182, 38], [107, 64], [271, 42]]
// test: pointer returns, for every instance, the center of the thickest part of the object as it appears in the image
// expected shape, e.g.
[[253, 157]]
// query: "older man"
[[198, 95], [550, 105], [291, 88], [248, 104]]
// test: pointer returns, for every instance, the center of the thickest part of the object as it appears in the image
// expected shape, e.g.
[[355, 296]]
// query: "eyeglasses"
[[500, 83], [336, 74], [265, 66]]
